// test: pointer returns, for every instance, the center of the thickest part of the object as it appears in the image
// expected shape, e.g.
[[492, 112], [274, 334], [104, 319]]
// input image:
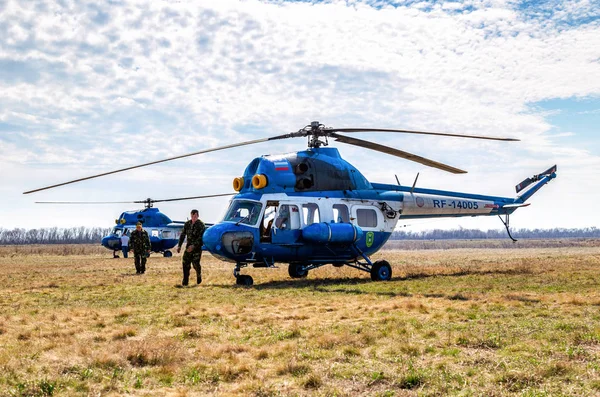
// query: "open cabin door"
[[287, 224]]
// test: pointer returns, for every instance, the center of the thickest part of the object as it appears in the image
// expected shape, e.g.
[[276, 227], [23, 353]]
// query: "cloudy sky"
[[88, 87]]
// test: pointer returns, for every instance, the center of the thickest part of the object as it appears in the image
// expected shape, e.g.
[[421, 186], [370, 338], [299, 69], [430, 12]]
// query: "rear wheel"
[[381, 271], [167, 254], [297, 270]]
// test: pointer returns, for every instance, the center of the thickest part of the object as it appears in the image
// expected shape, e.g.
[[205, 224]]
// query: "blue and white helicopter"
[[162, 231], [312, 208]]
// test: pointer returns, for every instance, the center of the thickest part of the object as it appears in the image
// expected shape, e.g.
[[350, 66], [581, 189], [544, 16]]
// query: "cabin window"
[[288, 217], [167, 233], [243, 211], [341, 213], [154, 233], [310, 213], [366, 217]]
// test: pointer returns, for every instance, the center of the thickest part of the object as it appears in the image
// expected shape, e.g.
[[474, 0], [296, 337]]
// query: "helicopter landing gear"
[[242, 279], [381, 271], [297, 270], [167, 254]]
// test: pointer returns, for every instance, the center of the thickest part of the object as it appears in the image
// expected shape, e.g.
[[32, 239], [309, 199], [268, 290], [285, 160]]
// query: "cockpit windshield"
[[243, 211], [117, 232]]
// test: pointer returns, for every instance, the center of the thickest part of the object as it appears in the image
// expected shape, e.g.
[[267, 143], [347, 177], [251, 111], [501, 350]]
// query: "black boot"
[[186, 277], [198, 279]]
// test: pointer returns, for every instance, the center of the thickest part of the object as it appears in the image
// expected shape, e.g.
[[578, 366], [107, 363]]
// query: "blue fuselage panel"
[[290, 248], [157, 244]]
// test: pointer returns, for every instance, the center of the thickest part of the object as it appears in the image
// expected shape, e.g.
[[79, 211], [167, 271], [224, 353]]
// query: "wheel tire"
[[296, 270], [244, 280], [167, 254], [381, 271]]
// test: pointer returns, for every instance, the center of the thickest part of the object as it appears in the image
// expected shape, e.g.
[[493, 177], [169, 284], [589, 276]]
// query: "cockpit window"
[[117, 232], [243, 211]]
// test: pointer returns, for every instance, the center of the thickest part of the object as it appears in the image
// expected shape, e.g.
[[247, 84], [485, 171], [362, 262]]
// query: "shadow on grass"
[[302, 283], [307, 282], [344, 284]]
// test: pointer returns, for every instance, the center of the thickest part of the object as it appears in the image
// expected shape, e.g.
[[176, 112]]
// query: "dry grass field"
[[462, 321]]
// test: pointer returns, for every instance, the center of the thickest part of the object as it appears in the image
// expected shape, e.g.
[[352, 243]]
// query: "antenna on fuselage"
[[414, 184], [397, 180]]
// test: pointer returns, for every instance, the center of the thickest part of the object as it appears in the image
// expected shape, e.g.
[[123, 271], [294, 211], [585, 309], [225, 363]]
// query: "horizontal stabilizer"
[[516, 205], [534, 178]]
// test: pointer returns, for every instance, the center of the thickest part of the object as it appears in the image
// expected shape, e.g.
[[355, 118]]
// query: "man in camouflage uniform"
[[140, 243], [193, 231]]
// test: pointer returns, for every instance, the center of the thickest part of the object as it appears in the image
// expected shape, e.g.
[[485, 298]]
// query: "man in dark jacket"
[[193, 231], [140, 243]]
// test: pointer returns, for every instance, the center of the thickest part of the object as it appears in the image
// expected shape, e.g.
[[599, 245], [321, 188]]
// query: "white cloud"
[[101, 86]]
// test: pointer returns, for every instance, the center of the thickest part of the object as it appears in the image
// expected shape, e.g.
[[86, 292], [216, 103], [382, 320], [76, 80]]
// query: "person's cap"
[[139, 224]]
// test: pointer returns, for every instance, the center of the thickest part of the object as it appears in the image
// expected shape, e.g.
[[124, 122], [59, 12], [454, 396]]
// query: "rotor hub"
[[315, 131]]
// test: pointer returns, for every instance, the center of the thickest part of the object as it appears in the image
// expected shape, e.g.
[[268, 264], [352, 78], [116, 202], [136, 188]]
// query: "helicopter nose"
[[229, 241], [110, 242], [212, 239], [105, 241]]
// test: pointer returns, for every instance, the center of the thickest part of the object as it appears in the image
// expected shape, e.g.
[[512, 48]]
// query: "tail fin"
[[541, 178]]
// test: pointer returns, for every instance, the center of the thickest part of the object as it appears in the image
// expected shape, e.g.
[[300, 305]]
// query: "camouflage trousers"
[[140, 263], [191, 259]]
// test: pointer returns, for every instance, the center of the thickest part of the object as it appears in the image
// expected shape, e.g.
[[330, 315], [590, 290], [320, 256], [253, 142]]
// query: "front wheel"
[[244, 280], [297, 270], [167, 254], [381, 271]]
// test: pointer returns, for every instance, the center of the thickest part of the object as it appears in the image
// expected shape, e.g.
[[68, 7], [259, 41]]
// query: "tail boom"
[[429, 203]]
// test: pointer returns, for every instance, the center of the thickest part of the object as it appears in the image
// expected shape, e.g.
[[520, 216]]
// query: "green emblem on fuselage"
[[370, 237]]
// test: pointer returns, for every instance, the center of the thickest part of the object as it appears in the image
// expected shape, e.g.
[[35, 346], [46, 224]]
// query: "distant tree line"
[[473, 234], [53, 235], [85, 235]]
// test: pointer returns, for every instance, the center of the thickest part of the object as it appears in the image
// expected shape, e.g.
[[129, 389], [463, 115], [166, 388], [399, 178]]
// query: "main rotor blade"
[[190, 198], [419, 132], [397, 153], [135, 202], [87, 202], [162, 161]]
